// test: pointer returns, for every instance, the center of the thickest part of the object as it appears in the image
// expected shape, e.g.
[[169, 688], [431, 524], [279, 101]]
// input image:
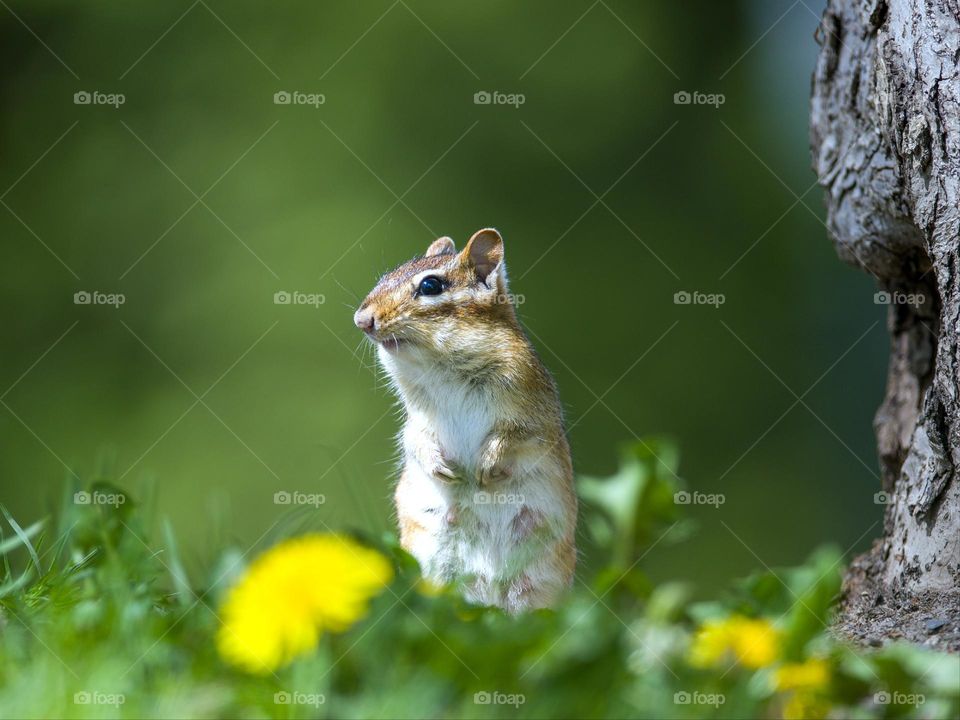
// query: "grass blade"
[[23, 538], [15, 542]]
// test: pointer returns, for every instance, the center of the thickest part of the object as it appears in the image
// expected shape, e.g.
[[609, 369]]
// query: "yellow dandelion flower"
[[812, 674], [710, 644], [754, 643], [294, 592]]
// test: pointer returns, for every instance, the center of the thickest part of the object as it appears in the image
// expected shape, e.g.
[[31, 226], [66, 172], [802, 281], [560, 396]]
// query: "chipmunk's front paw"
[[492, 474], [444, 473], [494, 466], [444, 469]]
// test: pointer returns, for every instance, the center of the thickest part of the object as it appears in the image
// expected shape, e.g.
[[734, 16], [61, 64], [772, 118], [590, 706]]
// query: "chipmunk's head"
[[444, 302]]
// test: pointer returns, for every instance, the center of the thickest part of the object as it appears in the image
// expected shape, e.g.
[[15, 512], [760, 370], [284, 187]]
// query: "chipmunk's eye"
[[430, 286]]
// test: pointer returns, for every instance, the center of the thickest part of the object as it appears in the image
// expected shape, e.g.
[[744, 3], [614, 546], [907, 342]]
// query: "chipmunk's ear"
[[441, 246], [484, 253]]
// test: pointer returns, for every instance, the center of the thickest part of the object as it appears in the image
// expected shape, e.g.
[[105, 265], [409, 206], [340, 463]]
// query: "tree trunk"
[[885, 136]]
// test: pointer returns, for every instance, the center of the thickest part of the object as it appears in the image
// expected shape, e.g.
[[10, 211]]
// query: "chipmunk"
[[485, 496]]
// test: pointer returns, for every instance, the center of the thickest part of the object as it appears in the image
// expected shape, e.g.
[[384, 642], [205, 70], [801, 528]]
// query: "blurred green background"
[[199, 198]]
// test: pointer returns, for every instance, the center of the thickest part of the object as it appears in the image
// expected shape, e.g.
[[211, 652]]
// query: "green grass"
[[100, 619]]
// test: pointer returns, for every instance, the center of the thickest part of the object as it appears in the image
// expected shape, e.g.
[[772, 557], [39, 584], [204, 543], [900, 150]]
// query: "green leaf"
[[633, 508], [668, 601]]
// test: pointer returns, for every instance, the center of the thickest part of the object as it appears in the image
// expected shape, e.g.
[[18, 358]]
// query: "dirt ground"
[[871, 615]]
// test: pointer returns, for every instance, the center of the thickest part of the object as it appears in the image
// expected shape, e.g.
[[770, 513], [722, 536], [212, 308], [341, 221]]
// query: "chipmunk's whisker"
[[348, 291]]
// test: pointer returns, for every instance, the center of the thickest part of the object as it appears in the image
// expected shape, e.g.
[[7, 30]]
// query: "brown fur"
[[471, 331]]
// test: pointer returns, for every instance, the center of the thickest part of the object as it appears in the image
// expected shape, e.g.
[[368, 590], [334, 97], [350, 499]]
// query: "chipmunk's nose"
[[365, 319]]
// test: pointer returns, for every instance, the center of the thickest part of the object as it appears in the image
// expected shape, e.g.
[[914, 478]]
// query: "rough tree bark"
[[885, 137]]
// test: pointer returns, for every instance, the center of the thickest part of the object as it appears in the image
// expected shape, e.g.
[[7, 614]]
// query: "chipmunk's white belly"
[[504, 541], [461, 424], [471, 532], [459, 417]]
